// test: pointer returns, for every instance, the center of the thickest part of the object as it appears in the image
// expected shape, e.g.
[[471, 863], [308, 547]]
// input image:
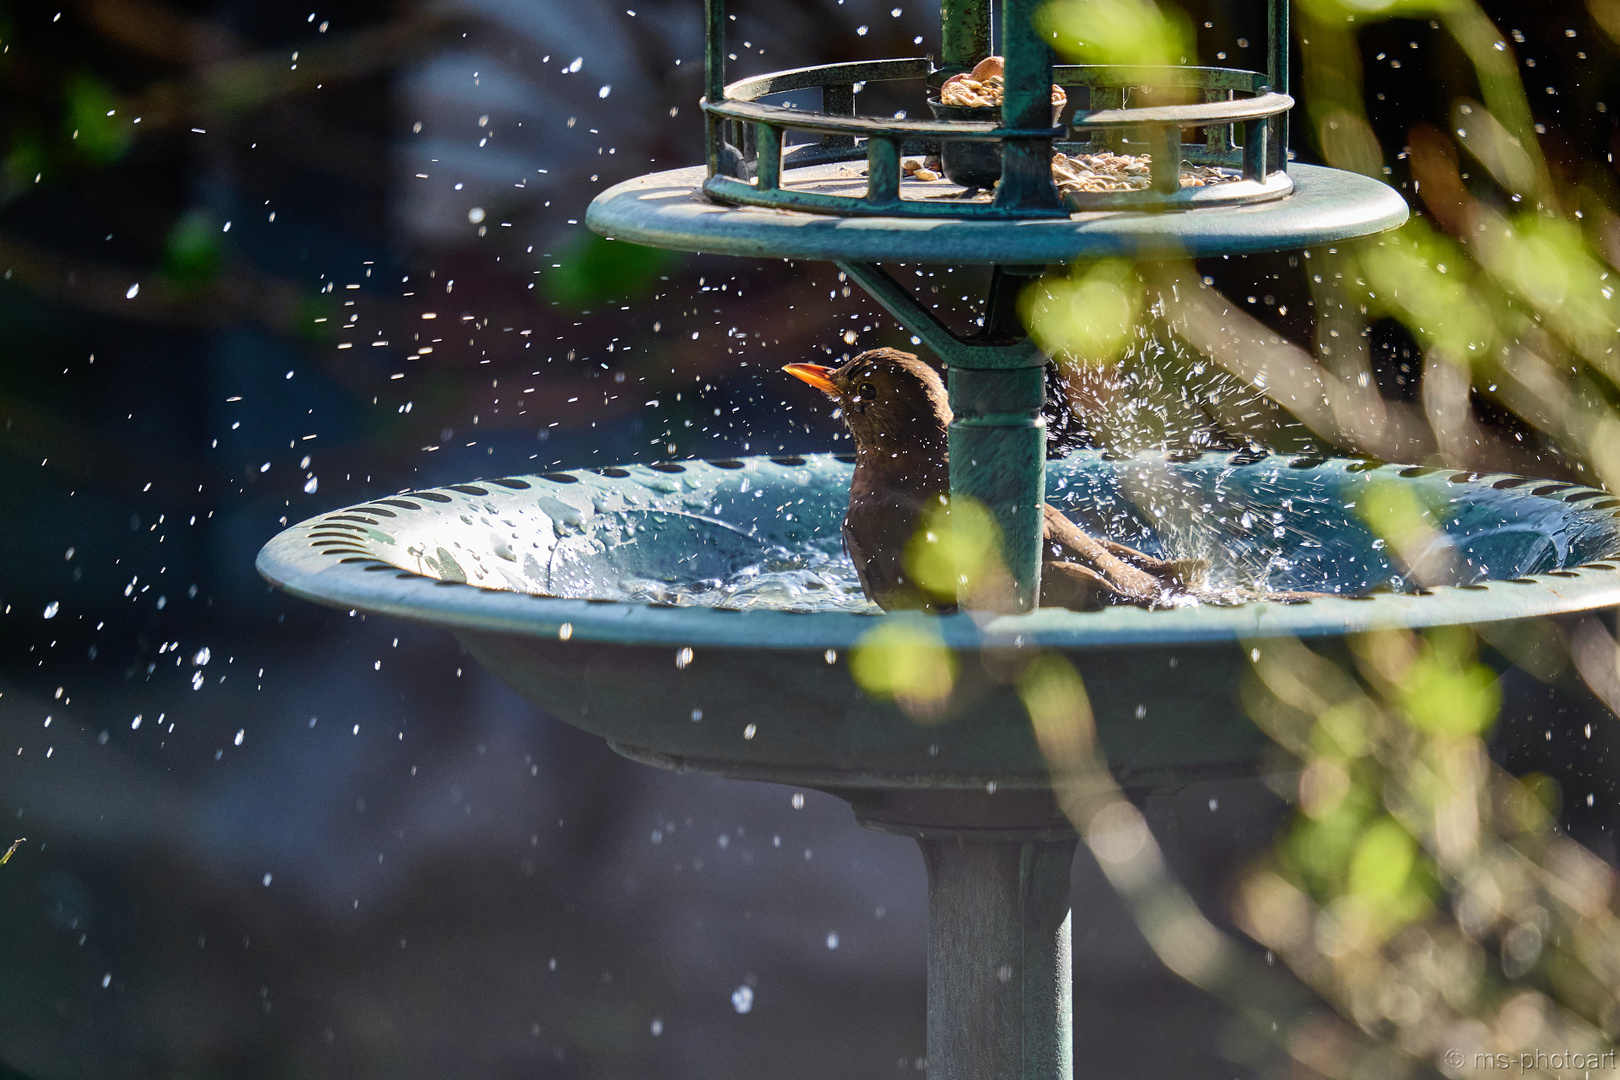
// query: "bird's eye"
[[866, 391]]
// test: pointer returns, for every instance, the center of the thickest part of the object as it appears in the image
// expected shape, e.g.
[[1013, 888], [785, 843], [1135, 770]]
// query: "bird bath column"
[[1000, 978]]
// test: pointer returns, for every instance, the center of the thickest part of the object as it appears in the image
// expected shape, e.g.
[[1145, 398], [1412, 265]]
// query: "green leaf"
[[194, 249], [92, 120], [594, 269]]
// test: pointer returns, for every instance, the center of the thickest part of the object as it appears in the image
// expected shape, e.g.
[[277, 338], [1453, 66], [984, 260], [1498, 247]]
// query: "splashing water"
[[1160, 395]]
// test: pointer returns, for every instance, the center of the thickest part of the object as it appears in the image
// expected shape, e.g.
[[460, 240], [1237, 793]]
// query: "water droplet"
[[134, 291], [798, 800], [241, 733], [832, 939], [750, 731], [697, 714], [742, 998], [831, 656], [51, 609], [106, 980], [135, 724], [657, 1027], [267, 880], [202, 657], [475, 215], [683, 657], [311, 485], [565, 631]]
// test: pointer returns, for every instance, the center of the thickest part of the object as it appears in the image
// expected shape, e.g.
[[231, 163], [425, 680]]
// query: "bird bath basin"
[[671, 608], [698, 616]]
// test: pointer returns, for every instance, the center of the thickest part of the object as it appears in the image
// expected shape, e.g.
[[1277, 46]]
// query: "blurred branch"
[[159, 31], [1278, 1011], [221, 91]]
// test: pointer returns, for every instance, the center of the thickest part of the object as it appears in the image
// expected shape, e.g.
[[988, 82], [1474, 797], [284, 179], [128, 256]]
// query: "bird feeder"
[[842, 195]]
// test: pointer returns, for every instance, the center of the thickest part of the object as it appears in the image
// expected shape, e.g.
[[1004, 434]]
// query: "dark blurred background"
[[258, 261]]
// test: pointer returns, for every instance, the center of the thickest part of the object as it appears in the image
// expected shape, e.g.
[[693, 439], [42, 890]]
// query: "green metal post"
[[1277, 45], [1026, 164], [714, 74], [997, 441], [1164, 147], [964, 30], [768, 156], [1000, 977], [882, 171], [1256, 155], [997, 435]]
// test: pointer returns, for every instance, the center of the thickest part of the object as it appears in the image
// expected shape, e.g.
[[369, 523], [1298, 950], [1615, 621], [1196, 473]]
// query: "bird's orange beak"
[[815, 375]]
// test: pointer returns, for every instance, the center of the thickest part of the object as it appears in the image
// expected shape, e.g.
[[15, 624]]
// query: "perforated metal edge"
[[349, 576]]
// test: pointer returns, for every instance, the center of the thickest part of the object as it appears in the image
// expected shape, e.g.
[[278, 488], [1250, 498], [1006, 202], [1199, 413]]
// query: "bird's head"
[[893, 403]]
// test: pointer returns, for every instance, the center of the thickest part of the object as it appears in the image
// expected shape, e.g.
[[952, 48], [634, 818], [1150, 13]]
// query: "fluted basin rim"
[[366, 576]]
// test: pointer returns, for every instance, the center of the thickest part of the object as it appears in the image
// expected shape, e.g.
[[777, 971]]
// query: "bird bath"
[[698, 616]]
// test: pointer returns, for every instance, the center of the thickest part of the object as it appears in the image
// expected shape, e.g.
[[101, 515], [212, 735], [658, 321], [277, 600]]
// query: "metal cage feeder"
[[755, 198], [1242, 114]]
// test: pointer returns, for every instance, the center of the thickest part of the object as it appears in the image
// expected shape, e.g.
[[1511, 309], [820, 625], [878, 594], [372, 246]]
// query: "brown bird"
[[898, 412]]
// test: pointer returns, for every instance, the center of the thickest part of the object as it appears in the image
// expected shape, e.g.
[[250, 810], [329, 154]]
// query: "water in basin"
[[765, 533]]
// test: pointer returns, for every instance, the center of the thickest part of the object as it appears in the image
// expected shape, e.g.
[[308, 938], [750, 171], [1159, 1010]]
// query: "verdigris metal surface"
[[668, 210], [760, 687]]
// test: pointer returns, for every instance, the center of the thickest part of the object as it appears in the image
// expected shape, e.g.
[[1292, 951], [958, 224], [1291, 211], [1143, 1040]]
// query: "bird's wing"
[[876, 533], [877, 559], [1073, 544], [1189, 573], [857, 555]]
